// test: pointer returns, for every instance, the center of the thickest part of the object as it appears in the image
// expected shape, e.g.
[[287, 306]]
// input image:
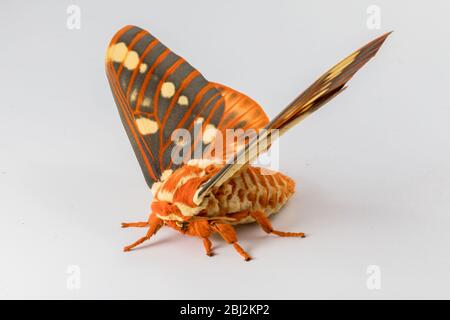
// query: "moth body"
[[248, 190], [251, 194]]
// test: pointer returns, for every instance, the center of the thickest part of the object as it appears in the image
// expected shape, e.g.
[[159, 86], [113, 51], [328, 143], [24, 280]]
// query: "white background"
[[372, 168]]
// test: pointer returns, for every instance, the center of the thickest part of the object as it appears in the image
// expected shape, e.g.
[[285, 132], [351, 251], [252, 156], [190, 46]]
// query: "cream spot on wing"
[[109, 53], [166, 174], [146, 126], [117, 52], [167, 89], [183, 101], [146, 102], [209, 134], [133, 94], [143, 68], [131, 60]]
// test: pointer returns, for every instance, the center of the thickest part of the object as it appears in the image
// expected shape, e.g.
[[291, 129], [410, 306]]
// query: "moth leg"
[[208, 245], [135, 224], [264, 222], [229, 235], [154, 224]]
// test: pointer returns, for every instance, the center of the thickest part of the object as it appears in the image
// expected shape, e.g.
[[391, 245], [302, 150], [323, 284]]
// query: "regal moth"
[[158, 92]]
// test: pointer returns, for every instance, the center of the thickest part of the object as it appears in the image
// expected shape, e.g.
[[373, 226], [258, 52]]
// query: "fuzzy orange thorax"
[[175, 193]]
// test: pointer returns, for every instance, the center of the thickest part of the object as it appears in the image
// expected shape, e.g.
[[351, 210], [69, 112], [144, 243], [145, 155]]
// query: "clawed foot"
[[208, 247]]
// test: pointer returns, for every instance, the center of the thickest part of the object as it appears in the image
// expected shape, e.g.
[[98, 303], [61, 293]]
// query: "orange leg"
[[154, 223], [229, 235], [135, 224], [207, 243], [264, 222]]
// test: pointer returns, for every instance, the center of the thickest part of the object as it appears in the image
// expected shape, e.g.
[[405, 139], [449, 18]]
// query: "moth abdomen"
[[251, 189]]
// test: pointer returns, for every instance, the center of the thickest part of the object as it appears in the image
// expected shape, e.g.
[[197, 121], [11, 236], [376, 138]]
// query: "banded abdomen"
[[251, 189]]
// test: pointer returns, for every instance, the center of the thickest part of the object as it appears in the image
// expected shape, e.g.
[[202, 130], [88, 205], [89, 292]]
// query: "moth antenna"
[[328, 86]]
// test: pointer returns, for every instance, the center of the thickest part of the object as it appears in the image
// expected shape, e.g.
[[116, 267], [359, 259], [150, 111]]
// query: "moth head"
[[178, 189]]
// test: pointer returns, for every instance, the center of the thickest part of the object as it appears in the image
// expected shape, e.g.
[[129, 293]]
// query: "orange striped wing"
[[157, 92]]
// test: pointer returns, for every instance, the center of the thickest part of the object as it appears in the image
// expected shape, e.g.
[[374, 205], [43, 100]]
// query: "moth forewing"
[[328, 86]]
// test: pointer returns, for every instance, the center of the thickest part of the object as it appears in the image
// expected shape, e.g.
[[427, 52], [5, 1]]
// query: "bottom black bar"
[[227, 309]]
